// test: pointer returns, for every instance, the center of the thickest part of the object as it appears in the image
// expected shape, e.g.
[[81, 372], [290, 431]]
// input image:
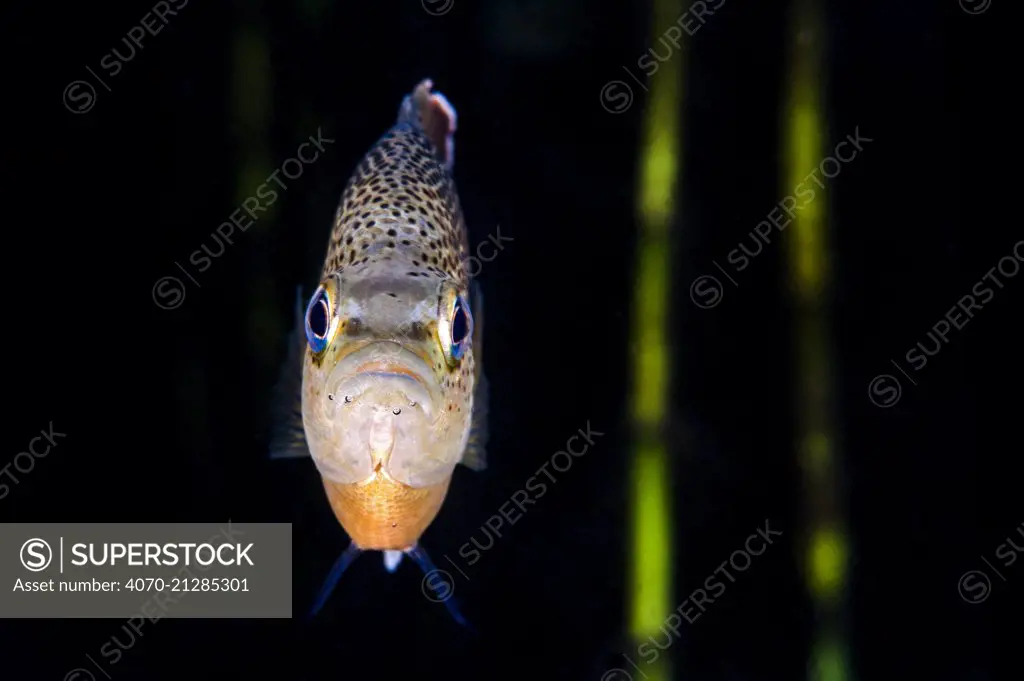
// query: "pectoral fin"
[[288, 439], [475, 456]]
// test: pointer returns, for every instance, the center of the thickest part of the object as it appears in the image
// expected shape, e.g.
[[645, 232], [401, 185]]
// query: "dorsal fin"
[[432, 113]]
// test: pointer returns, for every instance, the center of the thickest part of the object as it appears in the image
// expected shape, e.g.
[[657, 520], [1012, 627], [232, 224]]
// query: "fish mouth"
[[381, 400], [385, 369]]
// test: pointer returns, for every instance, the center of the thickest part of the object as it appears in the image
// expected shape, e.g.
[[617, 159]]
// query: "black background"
[[165, 409]]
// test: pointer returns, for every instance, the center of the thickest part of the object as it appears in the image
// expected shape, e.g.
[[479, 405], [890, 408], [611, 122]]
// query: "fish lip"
[[401, 362], [387, 369]]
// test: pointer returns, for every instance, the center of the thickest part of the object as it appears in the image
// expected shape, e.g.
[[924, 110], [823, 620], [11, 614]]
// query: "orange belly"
[[385, 515]]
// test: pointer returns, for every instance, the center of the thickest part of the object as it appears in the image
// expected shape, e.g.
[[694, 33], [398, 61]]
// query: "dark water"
[[165, 408]]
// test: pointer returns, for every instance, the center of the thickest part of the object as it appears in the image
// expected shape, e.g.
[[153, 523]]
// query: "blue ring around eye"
[[462, 328], [318, 320]]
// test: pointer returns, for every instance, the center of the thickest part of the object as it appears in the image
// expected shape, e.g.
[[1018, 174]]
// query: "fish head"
[[387, 392]]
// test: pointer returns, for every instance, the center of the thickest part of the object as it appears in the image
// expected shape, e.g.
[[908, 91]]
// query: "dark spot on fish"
[[392, 232], [417, 331]]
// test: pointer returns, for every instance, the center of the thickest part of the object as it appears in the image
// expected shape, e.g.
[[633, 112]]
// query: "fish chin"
[[380, 415], [381, 406]]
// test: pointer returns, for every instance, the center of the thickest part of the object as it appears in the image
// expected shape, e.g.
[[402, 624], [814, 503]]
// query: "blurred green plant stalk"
[[824, 539], [649, 586]]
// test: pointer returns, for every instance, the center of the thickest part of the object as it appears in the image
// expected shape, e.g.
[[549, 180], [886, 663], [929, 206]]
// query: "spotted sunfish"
[[391, 396]]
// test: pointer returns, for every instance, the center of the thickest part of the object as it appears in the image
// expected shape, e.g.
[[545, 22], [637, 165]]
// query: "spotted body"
[[400, 210], [392, 396]]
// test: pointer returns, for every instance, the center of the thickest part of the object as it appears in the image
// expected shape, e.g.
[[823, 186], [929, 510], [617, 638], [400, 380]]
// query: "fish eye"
[[461, 327], [318, 320]]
